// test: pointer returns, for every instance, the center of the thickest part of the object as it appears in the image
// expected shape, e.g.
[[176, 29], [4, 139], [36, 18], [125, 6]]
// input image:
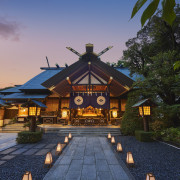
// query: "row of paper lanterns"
[[129, 158], [48, 160]]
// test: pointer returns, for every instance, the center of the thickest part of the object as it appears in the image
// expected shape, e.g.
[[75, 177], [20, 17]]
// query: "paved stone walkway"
[[88, 158], [7, 140]]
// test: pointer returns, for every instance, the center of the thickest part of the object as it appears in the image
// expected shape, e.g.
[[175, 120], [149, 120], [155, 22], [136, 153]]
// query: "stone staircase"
[[13, 128], [84, 131]]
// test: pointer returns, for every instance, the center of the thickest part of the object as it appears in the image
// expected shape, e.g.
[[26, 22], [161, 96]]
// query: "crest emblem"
[[78, 100], [101, 100]]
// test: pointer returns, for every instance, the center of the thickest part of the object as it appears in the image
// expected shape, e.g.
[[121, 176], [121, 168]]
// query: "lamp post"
[[145, 108]]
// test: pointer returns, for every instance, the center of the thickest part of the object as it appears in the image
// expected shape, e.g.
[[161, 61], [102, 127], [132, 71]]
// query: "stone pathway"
[[7, 140], [88, 158]]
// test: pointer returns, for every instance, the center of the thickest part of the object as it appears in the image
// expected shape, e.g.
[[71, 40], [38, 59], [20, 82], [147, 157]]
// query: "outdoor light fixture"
[[59, 148], [66, 140], [70, 136], [145, 110], [115, 113], [150, 176], [112, 140], [48, 159], [129, 159], [64, 114], [27, 176], [119, 147], [109, 135]]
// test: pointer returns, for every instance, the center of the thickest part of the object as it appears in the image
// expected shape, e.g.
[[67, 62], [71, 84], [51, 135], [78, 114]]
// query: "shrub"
[[171, 134], [131, 120], [157, 127], [144, 136], [28, 137]]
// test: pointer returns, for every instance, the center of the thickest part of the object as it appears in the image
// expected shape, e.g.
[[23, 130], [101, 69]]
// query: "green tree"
[[168, 13], [153, 54]]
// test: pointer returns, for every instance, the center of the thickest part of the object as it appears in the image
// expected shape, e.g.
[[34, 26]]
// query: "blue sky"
[[38, 28]]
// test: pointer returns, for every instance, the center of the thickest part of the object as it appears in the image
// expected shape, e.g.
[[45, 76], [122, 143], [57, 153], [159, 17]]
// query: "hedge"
[[144, 136], [28, 137]]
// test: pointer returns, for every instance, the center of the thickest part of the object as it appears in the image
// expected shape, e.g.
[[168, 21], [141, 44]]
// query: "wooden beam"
[[69, 81], [110, 80]]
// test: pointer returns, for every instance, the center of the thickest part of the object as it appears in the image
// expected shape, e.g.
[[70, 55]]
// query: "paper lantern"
[[146, 110], [59, 148], [109, 135], [64, 113], [119, 147], [70, 136], [112, 140], [114, 113], [27, 176], [129, 159], [150, 176], [48, 159], [66, 140]]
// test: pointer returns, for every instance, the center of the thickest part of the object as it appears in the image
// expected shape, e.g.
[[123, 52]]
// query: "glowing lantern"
[[66, 140], [70, 136], [27, 176], [115, 113], [150, 176], [48, 159], [109, 135], [112, 140], [59, 148], [145, 111], [64, 114], [119, 147], [129, 159]]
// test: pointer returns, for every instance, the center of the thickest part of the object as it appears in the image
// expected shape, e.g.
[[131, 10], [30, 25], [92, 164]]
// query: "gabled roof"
[[58, 83], [3, 103], [34, 103], [35, 82], [25, 96], [11, 90]]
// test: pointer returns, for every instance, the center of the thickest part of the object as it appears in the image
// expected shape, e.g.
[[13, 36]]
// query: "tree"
[[153, 54], [168, 13]]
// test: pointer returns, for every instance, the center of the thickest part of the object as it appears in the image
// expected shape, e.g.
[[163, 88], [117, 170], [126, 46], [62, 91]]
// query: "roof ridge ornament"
[[105, 50]]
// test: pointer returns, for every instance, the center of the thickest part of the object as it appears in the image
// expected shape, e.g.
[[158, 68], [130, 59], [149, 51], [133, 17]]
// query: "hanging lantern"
[[66, 140], [119, 147], [150, 176], [70, 136], [109, 135], [27, 176], [114, 113], [129, 159], [59, 148], [48, 159], [112, 140]]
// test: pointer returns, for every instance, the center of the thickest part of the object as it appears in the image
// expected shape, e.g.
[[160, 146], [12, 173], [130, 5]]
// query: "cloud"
[[9, 29]]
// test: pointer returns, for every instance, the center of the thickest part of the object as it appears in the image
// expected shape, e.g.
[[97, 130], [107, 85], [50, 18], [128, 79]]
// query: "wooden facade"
[[88, 92]]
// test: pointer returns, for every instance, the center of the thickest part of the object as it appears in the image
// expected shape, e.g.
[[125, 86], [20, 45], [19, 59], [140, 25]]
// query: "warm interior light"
[[23, 112], [115, 113], [112, 140], [66, 140], [27, 176], [150, 176], [119, 147], [59, 148], [109, 135], [64, 114], [70, 136], [129, 159], [48, 159], [146, 109]]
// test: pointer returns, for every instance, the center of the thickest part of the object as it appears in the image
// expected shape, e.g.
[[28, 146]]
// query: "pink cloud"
[[9, 29]]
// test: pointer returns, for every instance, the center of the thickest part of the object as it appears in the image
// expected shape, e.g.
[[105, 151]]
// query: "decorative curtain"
[[83, 100]]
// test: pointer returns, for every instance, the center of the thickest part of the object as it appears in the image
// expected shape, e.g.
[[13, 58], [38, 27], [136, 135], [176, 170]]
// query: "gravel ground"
[[15, 168], [160, 159]]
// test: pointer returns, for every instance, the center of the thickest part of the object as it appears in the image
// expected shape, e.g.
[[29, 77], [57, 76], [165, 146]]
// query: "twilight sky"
[[31, 30]]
